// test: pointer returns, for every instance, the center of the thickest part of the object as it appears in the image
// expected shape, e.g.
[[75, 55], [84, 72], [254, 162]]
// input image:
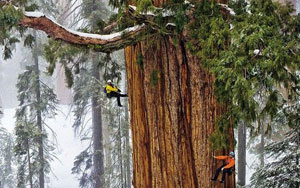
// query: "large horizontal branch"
[[106, 43]]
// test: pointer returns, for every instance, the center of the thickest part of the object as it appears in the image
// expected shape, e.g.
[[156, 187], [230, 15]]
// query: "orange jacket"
[[228, 160]]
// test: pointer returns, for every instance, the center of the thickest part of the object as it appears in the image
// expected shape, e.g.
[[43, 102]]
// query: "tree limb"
[[106, 43]]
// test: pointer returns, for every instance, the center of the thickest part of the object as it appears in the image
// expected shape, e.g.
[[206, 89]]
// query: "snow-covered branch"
[[107, 42], [37, 20]]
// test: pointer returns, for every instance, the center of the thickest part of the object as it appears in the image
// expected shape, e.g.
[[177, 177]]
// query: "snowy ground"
[[68, 147]]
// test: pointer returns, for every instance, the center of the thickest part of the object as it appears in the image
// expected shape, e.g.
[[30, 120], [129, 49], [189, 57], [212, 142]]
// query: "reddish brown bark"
[[57, 32], [172, 121]]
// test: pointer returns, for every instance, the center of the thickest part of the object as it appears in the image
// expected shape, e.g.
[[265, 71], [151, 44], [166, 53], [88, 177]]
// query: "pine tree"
[[118, 172], [284, 169], [92, 12], [7, 159], [37, 103], [86, 87]]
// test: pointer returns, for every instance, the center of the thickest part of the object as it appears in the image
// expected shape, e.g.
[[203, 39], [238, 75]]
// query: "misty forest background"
[[42, 116]]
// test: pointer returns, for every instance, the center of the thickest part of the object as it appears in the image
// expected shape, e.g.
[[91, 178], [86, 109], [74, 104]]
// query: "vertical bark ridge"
[[166, 83], [188, 103], [179, 113], [140, 134]]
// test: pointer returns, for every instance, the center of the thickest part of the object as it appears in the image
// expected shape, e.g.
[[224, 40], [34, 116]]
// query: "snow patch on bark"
[[34, 14]]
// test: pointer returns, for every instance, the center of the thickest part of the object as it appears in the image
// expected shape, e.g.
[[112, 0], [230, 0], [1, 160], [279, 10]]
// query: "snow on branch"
[[37, 20], [165, 13], [227, 8], [168, 13], [107, 42]]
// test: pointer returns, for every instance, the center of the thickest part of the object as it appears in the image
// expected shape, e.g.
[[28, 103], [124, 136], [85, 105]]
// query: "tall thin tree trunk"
[[120, 158], [262, 144], [108, 160], [127, 146], [29, 165], [242, 154], [98, 171], [297, 164], [6, 173], [173, 118], [39, 117]]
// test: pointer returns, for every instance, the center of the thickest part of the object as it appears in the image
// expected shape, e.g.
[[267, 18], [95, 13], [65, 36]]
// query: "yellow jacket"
[[109, 88]]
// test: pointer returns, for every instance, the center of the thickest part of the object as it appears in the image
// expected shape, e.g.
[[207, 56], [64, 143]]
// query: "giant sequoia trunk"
[[173, 119]]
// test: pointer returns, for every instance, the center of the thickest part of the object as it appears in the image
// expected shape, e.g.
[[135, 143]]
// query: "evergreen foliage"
[[85, 86], [9, 18], [112, 69], [117, 152], [256, 49], [283, 153], [83, 166], [284, 172], [7, 159], [57, 51], [96, 13], [284, 169], [26, 129]]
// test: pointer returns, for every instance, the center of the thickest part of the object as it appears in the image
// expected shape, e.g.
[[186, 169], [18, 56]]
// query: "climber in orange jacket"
[[225, 168], [113, 91]]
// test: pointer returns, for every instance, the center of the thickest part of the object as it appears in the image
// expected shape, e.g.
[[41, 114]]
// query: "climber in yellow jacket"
[[113, 91], [225, 168]]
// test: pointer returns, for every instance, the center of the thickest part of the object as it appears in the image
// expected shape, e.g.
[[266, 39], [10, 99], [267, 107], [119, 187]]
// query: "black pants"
[[117, 95], [228, 171]]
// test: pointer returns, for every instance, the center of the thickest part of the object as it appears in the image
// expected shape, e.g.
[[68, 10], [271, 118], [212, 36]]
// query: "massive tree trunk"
[[173, 113], [173, 119]]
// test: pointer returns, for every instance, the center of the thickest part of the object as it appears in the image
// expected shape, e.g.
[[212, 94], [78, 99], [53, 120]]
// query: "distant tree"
[[7, 159], [119, 153], [284, 169], [37, 102], [88, 90], [85, 88]]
